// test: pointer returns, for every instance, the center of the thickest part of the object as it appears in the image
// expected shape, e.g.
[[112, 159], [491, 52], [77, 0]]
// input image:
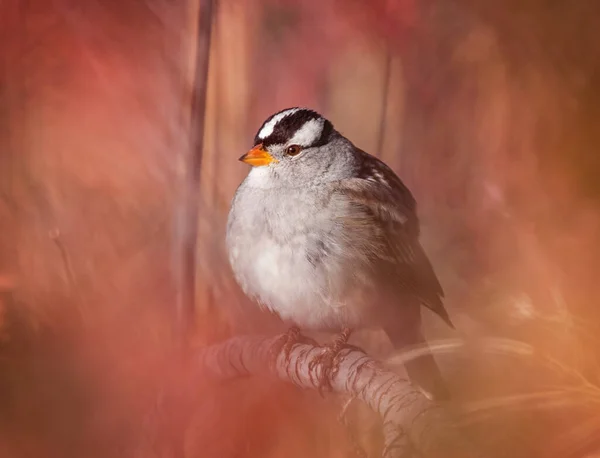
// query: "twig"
[[384, 101], [411, 422], [55, 236]]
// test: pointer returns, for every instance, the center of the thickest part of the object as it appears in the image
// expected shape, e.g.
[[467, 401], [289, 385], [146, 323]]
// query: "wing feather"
[[385, 214]]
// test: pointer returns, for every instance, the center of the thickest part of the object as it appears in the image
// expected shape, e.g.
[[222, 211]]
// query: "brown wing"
[[385, 212]]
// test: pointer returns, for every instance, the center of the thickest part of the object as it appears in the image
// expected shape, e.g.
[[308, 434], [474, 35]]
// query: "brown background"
[[487, 110]]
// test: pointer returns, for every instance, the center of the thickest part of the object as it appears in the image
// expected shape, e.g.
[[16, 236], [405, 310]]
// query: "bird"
[[326, 236]]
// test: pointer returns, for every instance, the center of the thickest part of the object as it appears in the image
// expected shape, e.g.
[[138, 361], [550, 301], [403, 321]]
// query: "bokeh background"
[[489, 111]]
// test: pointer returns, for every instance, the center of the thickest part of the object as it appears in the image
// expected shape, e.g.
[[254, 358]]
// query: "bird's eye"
[[293, 150]]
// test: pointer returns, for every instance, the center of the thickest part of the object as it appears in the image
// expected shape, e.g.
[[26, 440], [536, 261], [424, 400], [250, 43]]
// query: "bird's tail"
[[422, 368]]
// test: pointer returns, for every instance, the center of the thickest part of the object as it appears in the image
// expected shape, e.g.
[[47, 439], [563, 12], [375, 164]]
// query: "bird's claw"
[[286, 342], [329, 360]]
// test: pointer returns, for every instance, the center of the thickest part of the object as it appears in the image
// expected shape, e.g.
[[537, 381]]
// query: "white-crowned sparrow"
[[326, 236]]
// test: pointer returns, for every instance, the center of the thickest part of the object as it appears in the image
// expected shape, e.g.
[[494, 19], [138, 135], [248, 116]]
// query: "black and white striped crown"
[[297, 126]]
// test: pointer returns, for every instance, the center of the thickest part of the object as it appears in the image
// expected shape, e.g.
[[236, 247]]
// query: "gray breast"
[[285, 252]]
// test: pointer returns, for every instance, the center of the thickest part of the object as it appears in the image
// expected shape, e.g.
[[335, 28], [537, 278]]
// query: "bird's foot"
[[329, 359], [286, 342]]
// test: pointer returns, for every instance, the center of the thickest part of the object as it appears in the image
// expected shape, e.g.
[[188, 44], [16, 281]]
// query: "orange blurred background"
[[487, 110]]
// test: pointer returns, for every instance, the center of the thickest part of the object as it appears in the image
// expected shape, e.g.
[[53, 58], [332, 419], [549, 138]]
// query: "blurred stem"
[[384, 102], [187, 243]]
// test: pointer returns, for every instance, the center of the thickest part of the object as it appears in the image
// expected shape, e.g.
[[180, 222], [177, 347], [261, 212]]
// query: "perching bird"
[[326, 236]]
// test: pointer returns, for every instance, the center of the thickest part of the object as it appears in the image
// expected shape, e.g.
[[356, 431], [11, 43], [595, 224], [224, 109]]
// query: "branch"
[[411, 422]]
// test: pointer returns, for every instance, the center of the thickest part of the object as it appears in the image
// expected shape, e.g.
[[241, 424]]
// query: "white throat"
[[259, 178]]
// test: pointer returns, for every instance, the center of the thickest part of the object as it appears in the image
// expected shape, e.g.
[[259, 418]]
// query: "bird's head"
[[298, 147]]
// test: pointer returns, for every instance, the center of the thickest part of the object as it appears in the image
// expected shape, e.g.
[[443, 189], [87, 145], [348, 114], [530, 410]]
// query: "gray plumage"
[[328, 238]]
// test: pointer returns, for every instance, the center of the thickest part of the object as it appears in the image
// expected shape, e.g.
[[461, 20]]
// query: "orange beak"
[[258, 156]]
